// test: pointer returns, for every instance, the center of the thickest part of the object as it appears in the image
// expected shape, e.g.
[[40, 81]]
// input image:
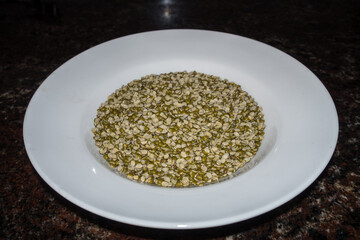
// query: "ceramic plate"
[[300, 137]]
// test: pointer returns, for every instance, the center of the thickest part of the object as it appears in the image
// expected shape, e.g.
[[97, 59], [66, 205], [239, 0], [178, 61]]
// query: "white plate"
[[300, 137]]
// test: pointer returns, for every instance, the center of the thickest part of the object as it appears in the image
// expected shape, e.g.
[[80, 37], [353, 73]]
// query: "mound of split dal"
[[178, 129]]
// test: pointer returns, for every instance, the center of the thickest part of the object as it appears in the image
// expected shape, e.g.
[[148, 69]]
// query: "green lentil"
[[178, 129]]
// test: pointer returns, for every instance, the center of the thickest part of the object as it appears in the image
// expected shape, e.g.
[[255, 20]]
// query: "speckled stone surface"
[[36, 37]]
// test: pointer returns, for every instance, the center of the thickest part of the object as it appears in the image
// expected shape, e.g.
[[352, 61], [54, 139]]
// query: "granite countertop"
[[36, 37]]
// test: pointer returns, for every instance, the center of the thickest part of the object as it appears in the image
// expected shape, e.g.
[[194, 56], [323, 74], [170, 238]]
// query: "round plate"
[[300, 137]]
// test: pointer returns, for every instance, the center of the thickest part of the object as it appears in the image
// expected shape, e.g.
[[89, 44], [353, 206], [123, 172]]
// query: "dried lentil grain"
[[178, 129]]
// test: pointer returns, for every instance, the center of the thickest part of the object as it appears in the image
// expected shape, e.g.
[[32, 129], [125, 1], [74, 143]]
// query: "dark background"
[[36, 37]]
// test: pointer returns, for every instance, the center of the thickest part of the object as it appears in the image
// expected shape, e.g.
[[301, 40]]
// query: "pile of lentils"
[[178, 129]]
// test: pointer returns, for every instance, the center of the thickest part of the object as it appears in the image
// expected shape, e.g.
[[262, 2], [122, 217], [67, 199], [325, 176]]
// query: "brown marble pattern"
[[36, 37]]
